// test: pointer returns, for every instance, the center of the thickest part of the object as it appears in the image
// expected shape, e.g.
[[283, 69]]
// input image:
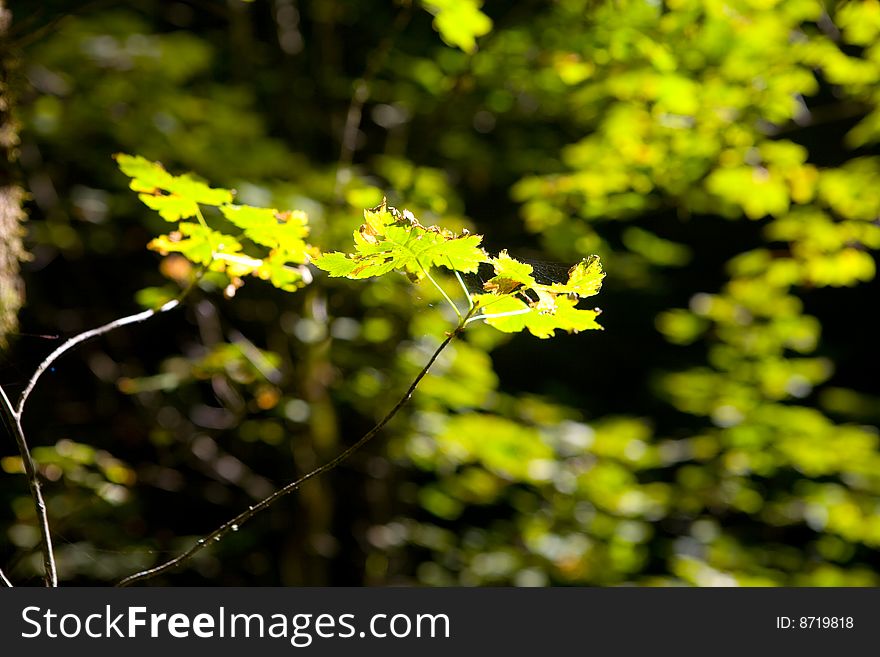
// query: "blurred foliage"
[[721, 158], [459, 22]]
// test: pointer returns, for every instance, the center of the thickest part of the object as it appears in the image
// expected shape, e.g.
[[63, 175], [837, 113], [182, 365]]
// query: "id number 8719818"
[[815, 622]]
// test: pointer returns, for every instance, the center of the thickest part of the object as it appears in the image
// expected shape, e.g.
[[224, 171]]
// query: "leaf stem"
[[509, 313], [442, 291], [236, 522], [467, 295], [204, 225]]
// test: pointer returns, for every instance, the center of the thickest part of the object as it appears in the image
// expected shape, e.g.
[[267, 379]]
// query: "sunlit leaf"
[[174, 197], [195, 242], [389, 240], [584, 279]]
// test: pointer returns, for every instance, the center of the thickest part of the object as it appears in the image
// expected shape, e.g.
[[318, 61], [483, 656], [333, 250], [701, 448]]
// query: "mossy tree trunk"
[[11, 193]]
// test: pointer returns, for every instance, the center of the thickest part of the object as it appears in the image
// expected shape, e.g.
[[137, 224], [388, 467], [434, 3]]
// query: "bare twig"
[[236, 522], [88, 335], [12, 420]]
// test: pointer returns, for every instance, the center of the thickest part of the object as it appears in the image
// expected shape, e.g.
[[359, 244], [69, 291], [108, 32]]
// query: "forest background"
[[721, 157]]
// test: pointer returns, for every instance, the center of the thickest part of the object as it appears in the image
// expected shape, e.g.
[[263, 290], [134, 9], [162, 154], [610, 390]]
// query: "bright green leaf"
[[584, 279], [196, 243], [170, 208], [388, 240]]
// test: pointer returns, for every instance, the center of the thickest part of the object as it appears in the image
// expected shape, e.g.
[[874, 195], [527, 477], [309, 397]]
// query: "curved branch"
[[82, 337], [12, 420], [236, 522]]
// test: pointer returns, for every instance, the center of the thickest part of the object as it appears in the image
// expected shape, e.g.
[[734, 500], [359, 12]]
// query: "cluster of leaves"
[[511, 301], [388, 240], [270, 245]]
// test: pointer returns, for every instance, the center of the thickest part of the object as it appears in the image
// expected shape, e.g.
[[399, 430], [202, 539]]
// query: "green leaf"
[[389, 240], [277, 270], [173, 197], [170, 208], [584, 279], [337, 264], [509, 274], [654, 249], [542, 322], [269, 227], [566, 317], [188, 187], [504, 447], [197, 243], [491, 304], [146, 176], [515, 301], [758, 191]]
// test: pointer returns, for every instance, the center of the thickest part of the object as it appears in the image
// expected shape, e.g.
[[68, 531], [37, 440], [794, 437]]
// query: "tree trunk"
[[11, 194]]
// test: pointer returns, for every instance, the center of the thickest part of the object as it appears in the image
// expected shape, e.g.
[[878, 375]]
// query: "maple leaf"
[[389, 240]]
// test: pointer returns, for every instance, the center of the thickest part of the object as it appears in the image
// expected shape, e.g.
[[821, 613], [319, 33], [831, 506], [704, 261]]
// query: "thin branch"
[[236, 522], [4, 581], [12, 419], [13, 425], [88, 335]]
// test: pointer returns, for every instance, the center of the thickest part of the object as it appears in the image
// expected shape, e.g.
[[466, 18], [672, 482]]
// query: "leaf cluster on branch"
[[511, 301]]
